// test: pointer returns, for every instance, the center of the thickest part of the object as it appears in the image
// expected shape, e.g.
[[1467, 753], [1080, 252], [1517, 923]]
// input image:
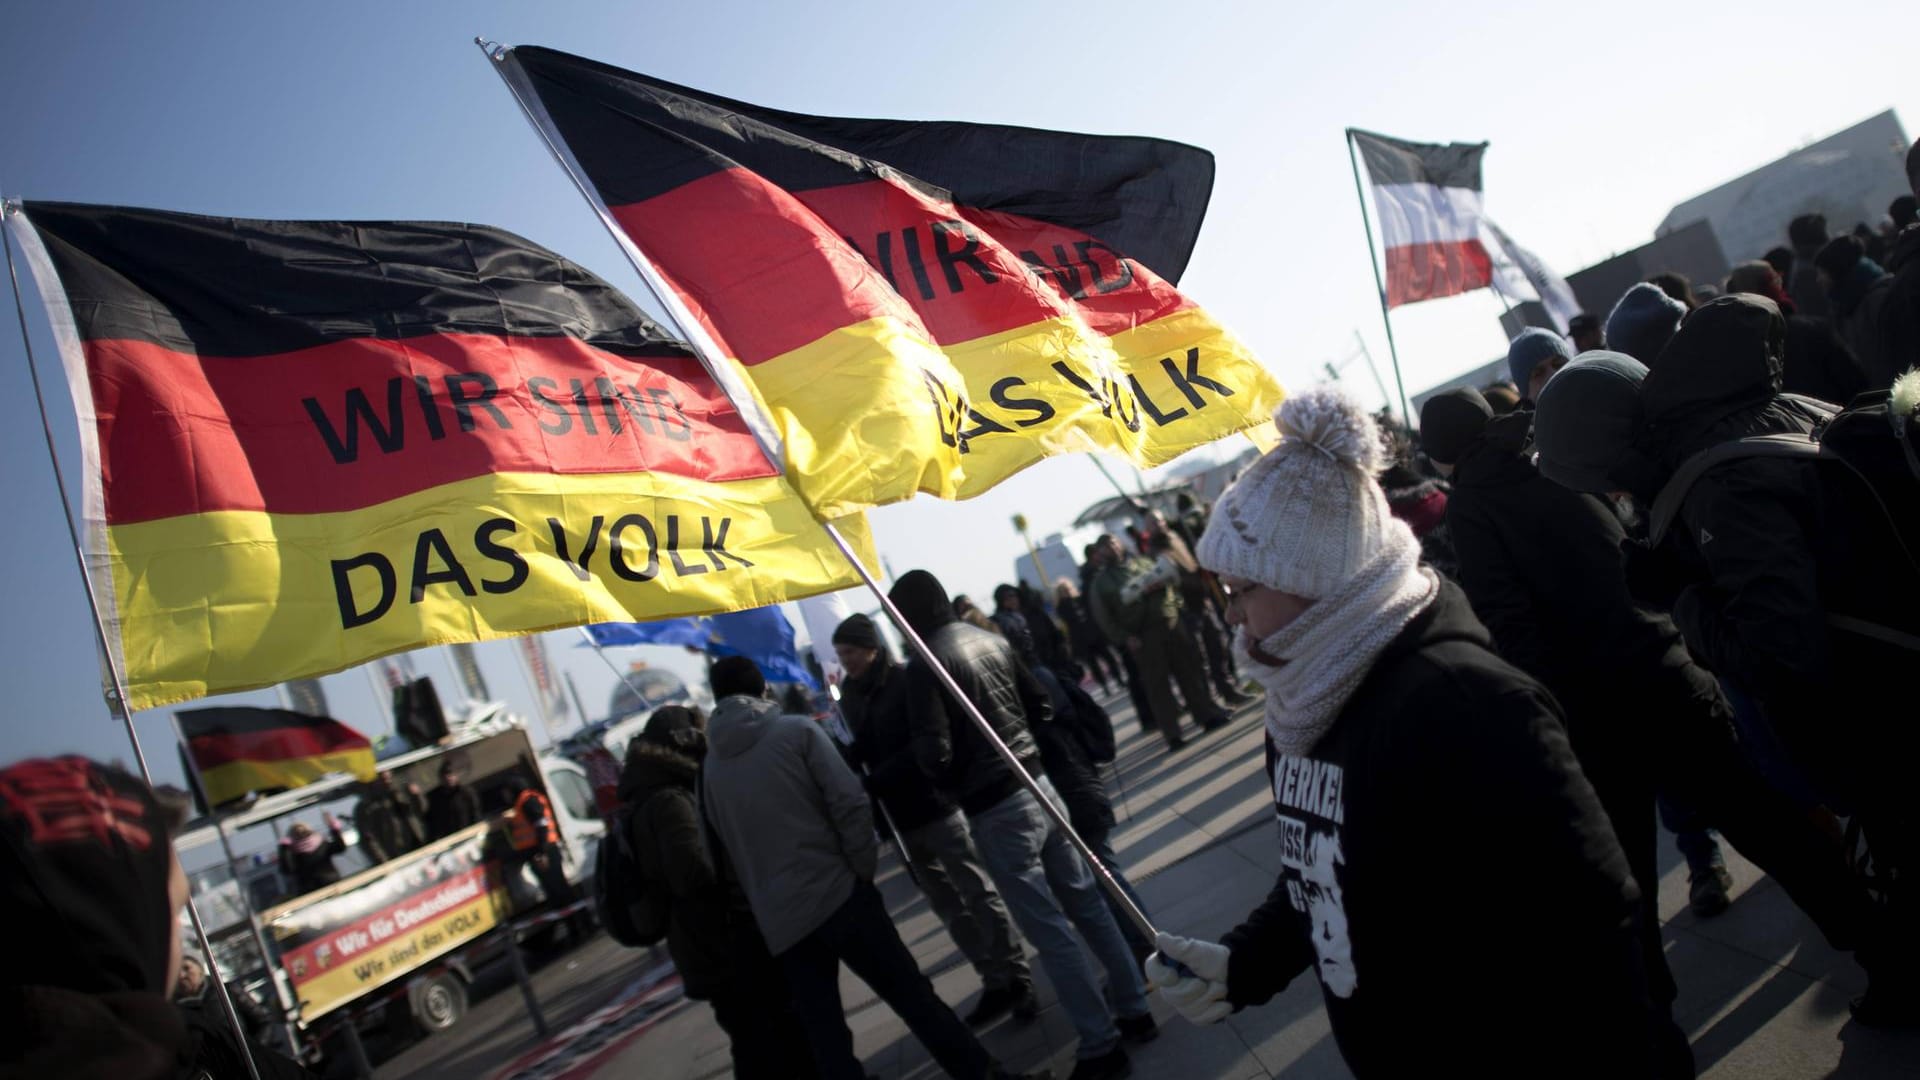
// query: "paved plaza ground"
[[1761, 995]]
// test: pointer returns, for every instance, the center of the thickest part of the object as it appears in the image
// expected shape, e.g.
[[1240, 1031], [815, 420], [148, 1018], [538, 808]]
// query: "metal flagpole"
[[117, 703], [691, 330], [704, 346], [246, 896], [913, 639], [1379, 282]]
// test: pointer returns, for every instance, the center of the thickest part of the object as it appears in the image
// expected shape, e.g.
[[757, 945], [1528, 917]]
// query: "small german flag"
[[237, 750], [918, 305]]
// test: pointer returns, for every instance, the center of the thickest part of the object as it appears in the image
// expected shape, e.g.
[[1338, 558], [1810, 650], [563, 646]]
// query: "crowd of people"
[[1543, 623], [1670, 572]]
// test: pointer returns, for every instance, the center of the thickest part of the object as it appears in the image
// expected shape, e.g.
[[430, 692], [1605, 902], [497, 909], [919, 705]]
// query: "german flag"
[[239, 750], [309, 444], [925, 306]]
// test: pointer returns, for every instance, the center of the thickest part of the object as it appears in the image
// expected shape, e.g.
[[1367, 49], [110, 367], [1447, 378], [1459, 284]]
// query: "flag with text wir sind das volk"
[[309, 444], [917, 306]]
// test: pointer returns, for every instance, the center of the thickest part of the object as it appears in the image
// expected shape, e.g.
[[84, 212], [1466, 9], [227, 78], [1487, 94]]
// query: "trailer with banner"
[[398, 942]]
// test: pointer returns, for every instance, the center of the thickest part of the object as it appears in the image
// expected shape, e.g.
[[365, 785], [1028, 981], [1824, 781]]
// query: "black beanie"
[[857, 631], [922, 601], [1451, 420]]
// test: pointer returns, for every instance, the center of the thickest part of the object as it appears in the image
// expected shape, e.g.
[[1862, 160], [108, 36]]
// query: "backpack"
[[1872, 440], [1091, 724], [633, 916]]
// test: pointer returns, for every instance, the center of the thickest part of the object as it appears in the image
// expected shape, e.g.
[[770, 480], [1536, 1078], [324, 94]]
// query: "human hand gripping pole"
[[1192, 976]]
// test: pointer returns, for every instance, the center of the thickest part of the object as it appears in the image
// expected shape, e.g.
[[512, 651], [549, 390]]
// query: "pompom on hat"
[[1306, 517]]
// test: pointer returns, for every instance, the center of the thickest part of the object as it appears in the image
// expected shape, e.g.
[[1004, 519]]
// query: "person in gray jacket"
[[793, 821]]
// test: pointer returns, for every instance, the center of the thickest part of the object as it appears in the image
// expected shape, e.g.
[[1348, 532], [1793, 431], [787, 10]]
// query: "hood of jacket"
[[1499, 455], [652, 766], [1723, 366], [737, 724], [88, 895], [923, 601]]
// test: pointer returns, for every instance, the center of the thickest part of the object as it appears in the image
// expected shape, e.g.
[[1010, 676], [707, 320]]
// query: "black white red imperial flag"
[[1427, 204], [919, 305]]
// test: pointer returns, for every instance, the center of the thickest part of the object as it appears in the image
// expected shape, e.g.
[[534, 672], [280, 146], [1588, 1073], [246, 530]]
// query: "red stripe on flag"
[[783, 269], [285, 744], [1418, 272], [183, 434]]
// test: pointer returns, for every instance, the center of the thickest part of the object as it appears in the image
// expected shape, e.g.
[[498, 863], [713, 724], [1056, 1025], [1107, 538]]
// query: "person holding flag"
[[1421, 784]]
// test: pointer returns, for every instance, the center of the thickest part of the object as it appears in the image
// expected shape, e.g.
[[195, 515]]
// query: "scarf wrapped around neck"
[[1329, 648]]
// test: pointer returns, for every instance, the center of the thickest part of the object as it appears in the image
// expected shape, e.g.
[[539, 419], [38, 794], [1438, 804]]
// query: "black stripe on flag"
[[167, 278], [638, 137], [1396, 161]]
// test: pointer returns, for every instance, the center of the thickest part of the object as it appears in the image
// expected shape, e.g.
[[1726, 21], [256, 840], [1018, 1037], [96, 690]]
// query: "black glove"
[[1655, 576]]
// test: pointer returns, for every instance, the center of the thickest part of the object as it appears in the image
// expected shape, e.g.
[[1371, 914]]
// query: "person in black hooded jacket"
[[1542, 566], [1446, 869], [711, 935], [930, 827], [89, 880], [1047, 886], [1762, 554]]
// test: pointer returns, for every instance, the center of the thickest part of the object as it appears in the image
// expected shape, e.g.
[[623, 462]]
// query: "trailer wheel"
[[438, 1002]]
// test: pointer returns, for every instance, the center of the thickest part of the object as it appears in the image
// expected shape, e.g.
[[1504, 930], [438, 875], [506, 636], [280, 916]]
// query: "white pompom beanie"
[[1307, 516]]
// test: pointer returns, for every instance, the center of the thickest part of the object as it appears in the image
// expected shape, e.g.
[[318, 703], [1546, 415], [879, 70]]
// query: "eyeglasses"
[[1237, 592]]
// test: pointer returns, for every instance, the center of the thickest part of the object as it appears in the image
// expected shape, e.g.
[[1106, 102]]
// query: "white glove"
[[1201, 997]]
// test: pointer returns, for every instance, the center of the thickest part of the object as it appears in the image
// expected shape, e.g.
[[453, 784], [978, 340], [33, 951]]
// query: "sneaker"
[[1112, 1065], [1137, 1029], [995, 1002], [1707, 892], [1216, 722], [1234, 698]]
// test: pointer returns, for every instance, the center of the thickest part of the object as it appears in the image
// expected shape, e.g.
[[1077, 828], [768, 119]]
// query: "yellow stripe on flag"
[[852, 405], [235, 600], [235, 778]]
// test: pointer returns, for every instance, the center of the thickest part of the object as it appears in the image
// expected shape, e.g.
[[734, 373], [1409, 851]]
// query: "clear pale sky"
[[1599, 122]]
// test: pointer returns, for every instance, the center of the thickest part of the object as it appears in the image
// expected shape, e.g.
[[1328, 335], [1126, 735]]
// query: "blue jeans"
[[1691, 834], [1103, 848], [1050, 891]]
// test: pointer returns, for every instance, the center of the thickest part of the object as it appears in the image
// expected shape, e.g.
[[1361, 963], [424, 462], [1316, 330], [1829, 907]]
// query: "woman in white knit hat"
[[1445, 867]]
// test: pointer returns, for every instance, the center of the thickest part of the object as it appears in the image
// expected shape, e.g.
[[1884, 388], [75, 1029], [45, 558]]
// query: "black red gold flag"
[[918, 306], [313, 443], [236, 750]]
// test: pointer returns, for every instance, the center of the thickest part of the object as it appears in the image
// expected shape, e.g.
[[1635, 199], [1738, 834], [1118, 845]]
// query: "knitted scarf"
[[1328, 649]]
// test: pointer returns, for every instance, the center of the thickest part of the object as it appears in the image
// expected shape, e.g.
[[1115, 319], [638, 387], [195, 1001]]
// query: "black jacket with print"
[[1448, 869]]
